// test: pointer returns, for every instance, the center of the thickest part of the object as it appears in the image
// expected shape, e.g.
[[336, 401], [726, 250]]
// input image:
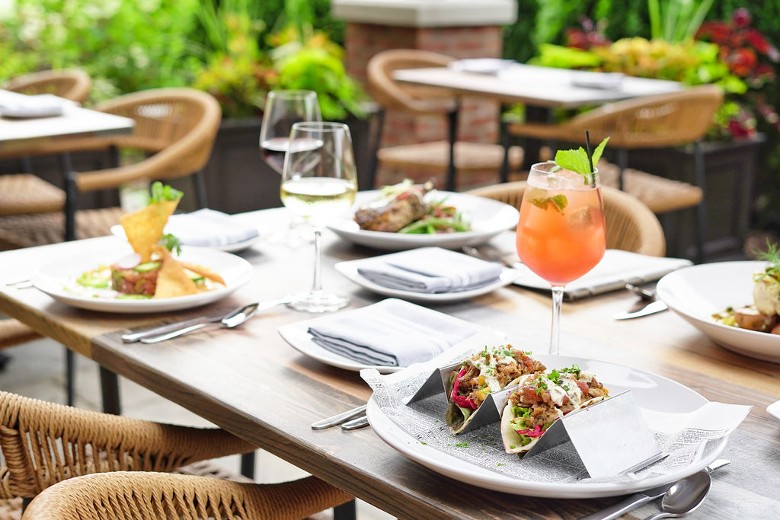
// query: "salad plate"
[[350, 270], [58, 280], [651, 392], [487, 217], [696, 293]]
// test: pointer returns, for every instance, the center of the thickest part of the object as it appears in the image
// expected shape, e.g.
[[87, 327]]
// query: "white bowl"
[[696, 293]]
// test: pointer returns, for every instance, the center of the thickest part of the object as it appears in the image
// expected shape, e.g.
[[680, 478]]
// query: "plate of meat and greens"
[[407, 216]]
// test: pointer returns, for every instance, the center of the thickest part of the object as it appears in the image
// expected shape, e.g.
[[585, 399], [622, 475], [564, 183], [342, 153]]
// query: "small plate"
[[53, 279], [297, 335], [119, 232], [597, 80], [350, 270], [488, 218], [696, 293], [774, 409]]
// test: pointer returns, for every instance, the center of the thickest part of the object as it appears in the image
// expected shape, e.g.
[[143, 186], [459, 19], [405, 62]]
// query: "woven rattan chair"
[[660, 121], [44, 443], [159, 496], [73, 84], [450, 156], [631, 226]]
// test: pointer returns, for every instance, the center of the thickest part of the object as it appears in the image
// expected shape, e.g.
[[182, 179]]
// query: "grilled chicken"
[[393, 214]]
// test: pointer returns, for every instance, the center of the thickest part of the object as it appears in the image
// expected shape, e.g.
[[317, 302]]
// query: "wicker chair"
[[631, 226], [665, 120], [73, 84], [174, 127], [447, 157], [151, 496], [44, 443]]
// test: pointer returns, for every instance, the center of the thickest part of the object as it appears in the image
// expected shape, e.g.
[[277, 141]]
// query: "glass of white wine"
[[284, 108], [319, 181]]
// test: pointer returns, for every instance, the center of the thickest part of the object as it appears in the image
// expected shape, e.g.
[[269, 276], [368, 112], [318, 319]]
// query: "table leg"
[[532, 147], [71, 193], [109, 389], [347, 511]]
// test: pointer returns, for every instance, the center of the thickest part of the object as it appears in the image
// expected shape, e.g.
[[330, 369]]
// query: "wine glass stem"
[[555, 329], [316, 285]]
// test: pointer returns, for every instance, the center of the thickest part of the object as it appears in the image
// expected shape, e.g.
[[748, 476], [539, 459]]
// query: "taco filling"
[[541, 399], [488, 371]]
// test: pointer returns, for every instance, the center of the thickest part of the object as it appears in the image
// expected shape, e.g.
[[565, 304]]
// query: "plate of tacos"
[[151, 272]]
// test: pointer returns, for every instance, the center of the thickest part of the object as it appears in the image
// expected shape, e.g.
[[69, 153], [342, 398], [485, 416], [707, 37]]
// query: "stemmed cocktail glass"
[[319, 181], [561, 233]]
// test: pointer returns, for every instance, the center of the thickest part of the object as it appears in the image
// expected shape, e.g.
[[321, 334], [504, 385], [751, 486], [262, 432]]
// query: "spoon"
[[229, 321], [685, 496], [644, 294]]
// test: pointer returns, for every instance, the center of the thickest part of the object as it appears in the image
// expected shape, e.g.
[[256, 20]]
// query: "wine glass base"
[[318, 302]]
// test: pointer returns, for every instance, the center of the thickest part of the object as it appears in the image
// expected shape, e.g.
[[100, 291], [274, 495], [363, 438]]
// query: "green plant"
[[678, 20]]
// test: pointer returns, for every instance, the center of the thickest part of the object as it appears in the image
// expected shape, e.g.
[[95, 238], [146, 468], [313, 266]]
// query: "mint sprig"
[[577, 160]]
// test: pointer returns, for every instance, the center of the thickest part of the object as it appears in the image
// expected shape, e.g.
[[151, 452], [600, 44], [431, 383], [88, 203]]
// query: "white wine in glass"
[[319, 181]]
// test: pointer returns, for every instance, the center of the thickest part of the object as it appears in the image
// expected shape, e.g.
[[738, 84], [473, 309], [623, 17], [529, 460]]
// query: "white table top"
[[539, 86]]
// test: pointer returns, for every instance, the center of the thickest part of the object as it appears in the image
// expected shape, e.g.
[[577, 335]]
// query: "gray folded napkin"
[[13, 104], [430, 270], [389, 333], [208, 228]]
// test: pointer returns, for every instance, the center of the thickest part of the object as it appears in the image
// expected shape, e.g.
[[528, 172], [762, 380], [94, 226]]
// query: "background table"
[[249, 381]]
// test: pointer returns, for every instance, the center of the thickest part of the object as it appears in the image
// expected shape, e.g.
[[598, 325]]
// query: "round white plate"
[[53, 279], [350, 270], [651, 392], [119, 232], [696, 293], [488, 218]]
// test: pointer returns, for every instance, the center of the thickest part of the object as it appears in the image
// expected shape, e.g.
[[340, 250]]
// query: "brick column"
[[458, 28]]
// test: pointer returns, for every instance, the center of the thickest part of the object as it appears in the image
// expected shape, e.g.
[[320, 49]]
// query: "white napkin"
[[389, 333], [430, 270], [209, 228], [13, 104]]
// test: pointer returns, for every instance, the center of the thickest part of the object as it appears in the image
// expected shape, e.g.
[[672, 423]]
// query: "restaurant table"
[[249, 381], [540, 88]]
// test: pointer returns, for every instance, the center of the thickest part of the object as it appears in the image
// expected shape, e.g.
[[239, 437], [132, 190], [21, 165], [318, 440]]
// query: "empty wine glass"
[[283, 108], [319, 181], [561, 233]]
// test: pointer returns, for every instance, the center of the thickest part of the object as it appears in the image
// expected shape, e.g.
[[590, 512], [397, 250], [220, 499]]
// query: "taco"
[[541, 399], [488, 371]]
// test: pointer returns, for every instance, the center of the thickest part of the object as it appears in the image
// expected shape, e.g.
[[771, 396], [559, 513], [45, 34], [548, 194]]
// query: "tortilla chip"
[[204, 272], [172, 280], [144, 228]]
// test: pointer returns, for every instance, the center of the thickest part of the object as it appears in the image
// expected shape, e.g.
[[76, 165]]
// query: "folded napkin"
[[209, 228], [612, 273], [389, 333], [13, 104], [430, 270]]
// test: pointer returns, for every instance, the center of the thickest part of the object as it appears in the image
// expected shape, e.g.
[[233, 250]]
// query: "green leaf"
[[574, 160], [559, 202], [161, 192], [598, 151]]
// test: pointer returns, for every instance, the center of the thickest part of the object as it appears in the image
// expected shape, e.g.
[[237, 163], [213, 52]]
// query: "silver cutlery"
[[646, 309], [229, 321], [20, 284], [644, 294], [685, 496], [355, 424], [491, 255], [340, 418], [638, 499], [158, 330]]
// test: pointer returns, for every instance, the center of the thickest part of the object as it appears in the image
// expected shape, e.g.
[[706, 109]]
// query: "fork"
[[490, 255]]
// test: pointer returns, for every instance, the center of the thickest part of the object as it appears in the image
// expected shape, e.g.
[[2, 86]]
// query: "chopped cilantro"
[[171, 243], [161, 192], [462, 445]]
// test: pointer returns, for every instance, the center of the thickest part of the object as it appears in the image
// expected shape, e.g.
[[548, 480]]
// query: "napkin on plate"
[[389, 333], [209, 228], [13, 104], [430, 270]]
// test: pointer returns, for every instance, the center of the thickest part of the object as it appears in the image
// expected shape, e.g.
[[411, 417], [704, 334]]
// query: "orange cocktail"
[[561, 234]]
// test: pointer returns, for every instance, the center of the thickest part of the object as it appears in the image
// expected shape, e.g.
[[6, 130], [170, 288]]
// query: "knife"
[[651, 308], [643, 497]]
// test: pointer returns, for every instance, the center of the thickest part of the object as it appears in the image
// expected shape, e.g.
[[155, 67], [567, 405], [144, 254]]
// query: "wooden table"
[[249, 381], [540, 88]]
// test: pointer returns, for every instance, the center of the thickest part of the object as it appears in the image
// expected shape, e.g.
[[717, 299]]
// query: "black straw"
[[587, 148]]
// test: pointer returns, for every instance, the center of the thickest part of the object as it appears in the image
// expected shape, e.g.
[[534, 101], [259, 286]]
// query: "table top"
[[538, 86], [21, 134], [249, 381]]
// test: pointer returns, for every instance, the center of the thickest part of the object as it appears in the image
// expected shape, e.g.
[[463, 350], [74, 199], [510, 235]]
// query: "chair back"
[[631, 226], [650, 122], [73, 84], [177, 125], [391, 94]]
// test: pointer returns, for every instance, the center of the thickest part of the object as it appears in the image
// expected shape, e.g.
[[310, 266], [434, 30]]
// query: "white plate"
[[350, 270], [119, 232], [297, 335], [651, 392], [598, 80], [774, 409], [696, 293], [488, 218], [52, 280]]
